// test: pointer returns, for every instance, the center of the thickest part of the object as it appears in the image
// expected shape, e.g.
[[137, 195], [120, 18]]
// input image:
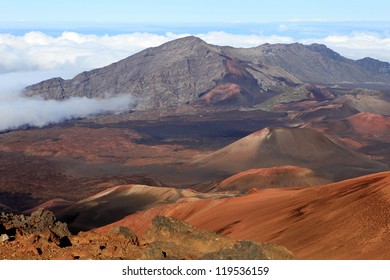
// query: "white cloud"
[[357, 45], [38, 51], [19, 111], [354, 45], [283, 27], [243, 41]]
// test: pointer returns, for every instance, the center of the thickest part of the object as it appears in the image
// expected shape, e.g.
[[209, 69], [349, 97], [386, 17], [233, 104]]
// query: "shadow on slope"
[[115, 203]]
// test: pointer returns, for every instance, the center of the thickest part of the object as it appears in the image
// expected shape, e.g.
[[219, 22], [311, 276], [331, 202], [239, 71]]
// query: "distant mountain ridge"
[[374, 65], [188, 70]]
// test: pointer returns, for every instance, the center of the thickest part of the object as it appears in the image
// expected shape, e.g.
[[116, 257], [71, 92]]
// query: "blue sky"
[[180, 11], [298, 19]]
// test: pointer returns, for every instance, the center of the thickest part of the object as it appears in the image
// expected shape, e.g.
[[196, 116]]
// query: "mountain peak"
[[280, 146], [324, 50], [183, 70], [374, 65], [188, 41]]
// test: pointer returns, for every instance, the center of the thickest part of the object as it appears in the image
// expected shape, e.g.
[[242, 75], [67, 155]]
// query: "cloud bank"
[[21, 111], [358, 45], [36, 51], [36, 56], [17, 111]]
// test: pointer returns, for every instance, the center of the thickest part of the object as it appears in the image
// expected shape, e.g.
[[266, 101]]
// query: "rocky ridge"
[[374, 65], [190, 71]]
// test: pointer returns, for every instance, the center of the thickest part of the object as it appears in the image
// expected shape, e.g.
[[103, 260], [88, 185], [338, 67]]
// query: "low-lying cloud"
[[36, 56], [17, 111], [21, 111]]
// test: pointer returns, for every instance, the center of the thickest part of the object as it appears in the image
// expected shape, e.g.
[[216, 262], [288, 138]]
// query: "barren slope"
[[190, 71], [313, 63], [304, 147], [378, 104], [176, 73], [273, 177], [345, 220]]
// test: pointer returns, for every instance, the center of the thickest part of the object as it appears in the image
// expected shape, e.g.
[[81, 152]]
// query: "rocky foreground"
[[41, 236]]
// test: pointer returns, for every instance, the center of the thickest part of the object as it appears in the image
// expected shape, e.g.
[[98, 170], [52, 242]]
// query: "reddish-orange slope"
[[370, 124], [273, 177], [345, 220], [363, 125]]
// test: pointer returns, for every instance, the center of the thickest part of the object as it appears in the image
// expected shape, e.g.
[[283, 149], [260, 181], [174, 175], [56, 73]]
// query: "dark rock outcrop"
[[126, 232], [169, 238], [40, 222], [28, 236]]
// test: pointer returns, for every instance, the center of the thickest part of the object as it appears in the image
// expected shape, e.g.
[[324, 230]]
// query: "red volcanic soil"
[[371, 125], [345, 220], [325, 113], [237, 87], [92, 145], [362, 126], [224, 93], [273, 177], [364, 131]]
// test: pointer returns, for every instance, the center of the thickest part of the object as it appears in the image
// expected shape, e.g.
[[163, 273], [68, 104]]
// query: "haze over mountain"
[[188, 71]]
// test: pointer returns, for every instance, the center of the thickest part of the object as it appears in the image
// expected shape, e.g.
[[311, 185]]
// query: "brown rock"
[[169, 238], [126, 232]]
